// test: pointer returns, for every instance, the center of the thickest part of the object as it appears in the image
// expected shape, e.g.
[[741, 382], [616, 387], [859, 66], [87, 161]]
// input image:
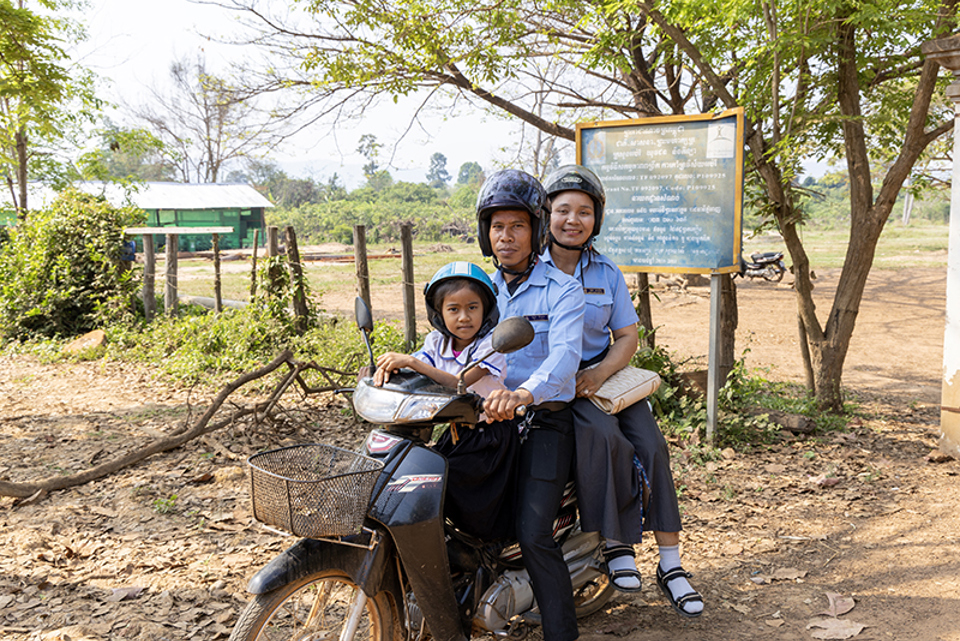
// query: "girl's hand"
[[389, 363], [588, 382]]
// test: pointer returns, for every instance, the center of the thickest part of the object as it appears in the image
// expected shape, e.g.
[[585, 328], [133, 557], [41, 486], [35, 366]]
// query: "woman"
[[623, 465]]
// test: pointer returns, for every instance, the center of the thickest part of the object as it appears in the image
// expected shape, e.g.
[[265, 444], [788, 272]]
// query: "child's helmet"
[[468, 271], [578, 178], [512, 189]]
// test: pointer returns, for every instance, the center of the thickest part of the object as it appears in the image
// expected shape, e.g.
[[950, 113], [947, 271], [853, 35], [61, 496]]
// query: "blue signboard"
[[674, 190]]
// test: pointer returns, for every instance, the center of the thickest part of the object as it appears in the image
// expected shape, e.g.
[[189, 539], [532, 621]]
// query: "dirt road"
[[162, 550]]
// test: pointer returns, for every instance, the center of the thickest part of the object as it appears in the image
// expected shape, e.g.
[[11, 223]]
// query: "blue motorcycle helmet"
[[481, 283], [512, 189]]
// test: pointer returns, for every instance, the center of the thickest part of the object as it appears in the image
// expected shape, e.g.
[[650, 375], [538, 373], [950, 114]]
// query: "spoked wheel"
[[592, 596], [772, 274], [323, 606]]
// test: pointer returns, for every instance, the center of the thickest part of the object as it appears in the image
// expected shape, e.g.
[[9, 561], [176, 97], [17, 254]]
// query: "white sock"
[[670, 559], [625, 562]]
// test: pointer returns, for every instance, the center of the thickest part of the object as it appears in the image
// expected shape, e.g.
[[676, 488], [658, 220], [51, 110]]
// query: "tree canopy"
[[43, 98], [832, 79]]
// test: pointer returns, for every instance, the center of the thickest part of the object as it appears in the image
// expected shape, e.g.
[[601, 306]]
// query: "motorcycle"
[[400, 570], [766, 265]]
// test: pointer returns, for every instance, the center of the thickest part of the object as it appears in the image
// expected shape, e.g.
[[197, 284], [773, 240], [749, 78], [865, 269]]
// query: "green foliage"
[[470, 174], [744, 404], [382, 211], [44, 100], [125, 155], [165, 506], [61, 274], [437, 175], [213, 348]]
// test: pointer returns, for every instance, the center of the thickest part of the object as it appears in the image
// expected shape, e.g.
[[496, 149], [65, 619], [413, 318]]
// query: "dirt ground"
[[163, 549]]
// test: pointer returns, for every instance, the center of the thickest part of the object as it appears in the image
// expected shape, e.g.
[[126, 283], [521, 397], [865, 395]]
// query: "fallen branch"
[[176, 439]]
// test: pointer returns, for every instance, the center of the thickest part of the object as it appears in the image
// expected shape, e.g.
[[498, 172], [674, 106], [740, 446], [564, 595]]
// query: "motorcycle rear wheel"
[[593, 596], [773, 274], [313, 608]]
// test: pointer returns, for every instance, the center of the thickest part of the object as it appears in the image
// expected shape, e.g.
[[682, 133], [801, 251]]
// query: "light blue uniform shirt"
[[553, 303], [608, 305]]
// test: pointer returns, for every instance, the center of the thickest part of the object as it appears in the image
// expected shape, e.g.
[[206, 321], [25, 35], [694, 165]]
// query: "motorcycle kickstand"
[[516, 631]]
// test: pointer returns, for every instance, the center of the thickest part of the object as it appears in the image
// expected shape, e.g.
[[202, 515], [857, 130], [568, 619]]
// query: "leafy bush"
[[213, 348], [744, 403], [60, 272]]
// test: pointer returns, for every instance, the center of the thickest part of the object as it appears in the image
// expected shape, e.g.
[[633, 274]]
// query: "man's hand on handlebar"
[[501, 404]]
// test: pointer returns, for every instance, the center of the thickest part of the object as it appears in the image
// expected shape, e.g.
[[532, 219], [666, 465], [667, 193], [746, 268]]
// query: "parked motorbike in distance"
[[398, 570], [766, 265]]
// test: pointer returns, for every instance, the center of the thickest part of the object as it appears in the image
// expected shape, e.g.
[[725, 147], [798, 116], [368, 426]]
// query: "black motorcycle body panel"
[[409, 503]]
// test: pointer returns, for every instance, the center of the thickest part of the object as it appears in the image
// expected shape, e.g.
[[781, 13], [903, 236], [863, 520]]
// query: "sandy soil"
[[162, 550]]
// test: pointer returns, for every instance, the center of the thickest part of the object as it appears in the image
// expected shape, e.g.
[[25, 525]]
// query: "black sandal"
[[616, 552], [663, 578]]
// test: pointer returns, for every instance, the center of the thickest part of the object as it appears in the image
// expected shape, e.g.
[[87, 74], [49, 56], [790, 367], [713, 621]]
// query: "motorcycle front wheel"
[[315, 607]]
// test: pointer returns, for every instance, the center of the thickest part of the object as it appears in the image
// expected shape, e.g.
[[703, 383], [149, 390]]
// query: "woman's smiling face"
[[572, 218]]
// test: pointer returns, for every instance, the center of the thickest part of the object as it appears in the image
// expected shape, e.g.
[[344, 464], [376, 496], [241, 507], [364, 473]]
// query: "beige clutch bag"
[[626, 387]]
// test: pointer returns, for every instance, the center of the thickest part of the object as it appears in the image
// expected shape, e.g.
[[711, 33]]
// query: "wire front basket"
[[312, 490]]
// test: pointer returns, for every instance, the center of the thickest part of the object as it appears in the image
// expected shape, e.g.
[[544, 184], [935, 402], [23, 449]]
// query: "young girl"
[[461, 304]]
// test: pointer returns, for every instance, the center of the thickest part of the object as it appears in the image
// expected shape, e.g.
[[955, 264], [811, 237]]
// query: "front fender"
[[370, 568]]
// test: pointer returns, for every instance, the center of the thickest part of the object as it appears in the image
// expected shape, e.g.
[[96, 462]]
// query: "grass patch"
[[920, 244]]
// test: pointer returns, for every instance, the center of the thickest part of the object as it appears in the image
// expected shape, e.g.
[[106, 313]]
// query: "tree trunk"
[[643, 309], [729, 319], [21, 141]]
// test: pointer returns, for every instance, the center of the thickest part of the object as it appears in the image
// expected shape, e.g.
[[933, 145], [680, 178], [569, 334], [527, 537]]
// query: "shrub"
[[60, 272]]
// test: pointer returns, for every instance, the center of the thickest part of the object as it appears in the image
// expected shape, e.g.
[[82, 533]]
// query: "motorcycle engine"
[[511, 594]]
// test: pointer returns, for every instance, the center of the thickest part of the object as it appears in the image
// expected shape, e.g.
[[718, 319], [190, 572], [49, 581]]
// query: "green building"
[[235, 205]]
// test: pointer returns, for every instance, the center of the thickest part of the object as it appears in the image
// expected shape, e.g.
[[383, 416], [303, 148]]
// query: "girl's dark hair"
[[453, 285]]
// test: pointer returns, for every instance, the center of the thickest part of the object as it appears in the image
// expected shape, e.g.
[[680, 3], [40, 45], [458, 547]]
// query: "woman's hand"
[[501, 404], [389, 363], [589, 381]]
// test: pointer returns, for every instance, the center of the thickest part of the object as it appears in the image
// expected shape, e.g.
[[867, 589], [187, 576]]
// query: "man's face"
[[511, 238]]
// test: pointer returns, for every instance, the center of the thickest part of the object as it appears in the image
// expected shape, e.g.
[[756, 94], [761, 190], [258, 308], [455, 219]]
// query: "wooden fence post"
[[360, 257], [273, 241], [296, 278], [273, 249], [409, 296], [149, 278], [217, 291], [170, 305], [253, 268]]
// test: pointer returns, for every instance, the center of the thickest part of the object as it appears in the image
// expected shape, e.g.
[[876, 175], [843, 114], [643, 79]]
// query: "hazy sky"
[[133, 42]]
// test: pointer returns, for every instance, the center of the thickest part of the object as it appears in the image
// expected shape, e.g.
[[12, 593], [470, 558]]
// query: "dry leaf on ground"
[[822, 480], [834, 628], [839, 604], [788, 574], [124, 594]]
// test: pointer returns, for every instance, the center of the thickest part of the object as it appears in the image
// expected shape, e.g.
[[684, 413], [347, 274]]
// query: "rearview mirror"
[[363, 315], [512, 334]]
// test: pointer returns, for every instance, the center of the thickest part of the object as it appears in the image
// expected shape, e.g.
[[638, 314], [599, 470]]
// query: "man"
[[542, 376]]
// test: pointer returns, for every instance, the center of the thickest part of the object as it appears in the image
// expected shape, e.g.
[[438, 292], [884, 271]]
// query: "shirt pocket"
[[597, 312], [539, 347]]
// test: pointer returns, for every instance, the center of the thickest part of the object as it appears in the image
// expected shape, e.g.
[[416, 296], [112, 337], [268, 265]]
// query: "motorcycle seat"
[[761, 256]]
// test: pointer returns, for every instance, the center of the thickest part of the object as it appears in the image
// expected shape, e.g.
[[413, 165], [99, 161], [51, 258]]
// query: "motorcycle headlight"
[[382, 405], [420, 408], [375, 404]]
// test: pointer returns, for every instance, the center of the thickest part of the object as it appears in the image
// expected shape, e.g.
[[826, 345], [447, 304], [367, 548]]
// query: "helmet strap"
[[513, 272]]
